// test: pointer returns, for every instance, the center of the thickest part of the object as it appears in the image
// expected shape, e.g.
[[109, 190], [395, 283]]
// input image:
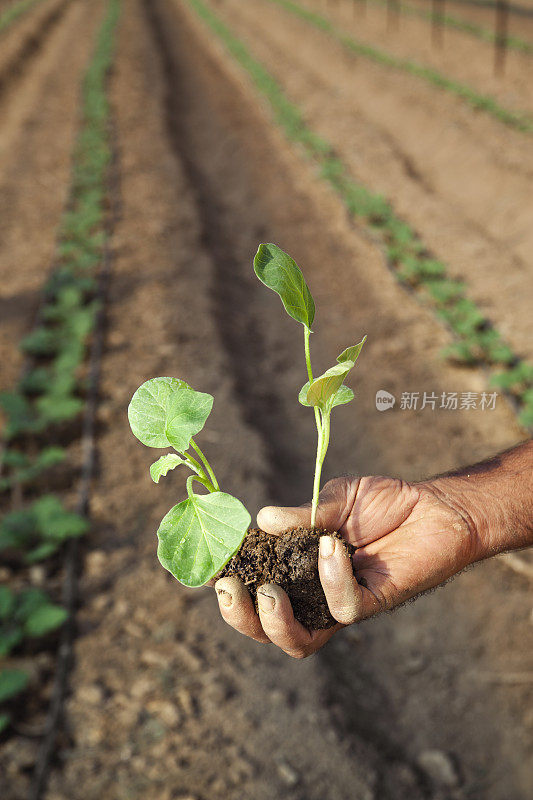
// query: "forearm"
[[495, 498]]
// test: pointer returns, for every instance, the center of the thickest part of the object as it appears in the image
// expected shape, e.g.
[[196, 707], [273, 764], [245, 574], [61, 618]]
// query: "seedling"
[[199, 535], [24, 470], [279, 272], [30, 613], [12, 683], [40, 529]]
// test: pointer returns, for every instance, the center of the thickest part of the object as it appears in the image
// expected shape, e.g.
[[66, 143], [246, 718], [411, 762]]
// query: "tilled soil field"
[[461, 56], [166, 702], [422, 148], [39, 118]]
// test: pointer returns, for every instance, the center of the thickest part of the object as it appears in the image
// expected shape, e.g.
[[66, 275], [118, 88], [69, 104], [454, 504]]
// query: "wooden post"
[[393, 15], [359, 6], [437, 22], [501, 26]]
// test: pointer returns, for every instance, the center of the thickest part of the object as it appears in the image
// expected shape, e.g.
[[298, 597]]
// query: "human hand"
[[409, 538]]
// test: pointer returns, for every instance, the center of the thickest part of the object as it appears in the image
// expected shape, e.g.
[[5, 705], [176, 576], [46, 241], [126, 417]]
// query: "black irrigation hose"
[[65, 653]]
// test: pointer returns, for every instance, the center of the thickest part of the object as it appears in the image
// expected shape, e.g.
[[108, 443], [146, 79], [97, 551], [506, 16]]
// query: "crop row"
[[50, 394], [463, 25], [476, 342], [518, 120], [15, 11]]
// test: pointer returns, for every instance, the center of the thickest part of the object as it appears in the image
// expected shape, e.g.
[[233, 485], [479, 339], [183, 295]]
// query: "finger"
[[273, 519], [343, 594], [237, 608], [279, 624], [335, 502]]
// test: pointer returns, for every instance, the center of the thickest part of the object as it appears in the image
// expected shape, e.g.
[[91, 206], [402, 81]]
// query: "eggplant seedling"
[[279, 272], [199, 536]]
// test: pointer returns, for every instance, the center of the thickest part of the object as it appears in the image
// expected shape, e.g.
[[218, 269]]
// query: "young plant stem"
[[321, 450], [207, 466], [307, 334], [200, 472], [320, 453], [206, 483], [194, 464]]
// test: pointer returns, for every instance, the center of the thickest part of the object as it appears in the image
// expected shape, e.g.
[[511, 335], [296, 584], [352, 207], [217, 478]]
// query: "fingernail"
[[224, 598], [326, 546], [265, 602]]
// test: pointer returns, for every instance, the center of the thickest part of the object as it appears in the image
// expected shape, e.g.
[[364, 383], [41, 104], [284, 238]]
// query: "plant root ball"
[[290, 561]]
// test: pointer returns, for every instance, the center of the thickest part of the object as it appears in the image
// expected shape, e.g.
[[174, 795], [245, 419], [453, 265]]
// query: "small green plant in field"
[[40, 529], [22, 469], [279, 272], [28, 614], [21, 416], [199, 535], [12, 683], [517, 380]]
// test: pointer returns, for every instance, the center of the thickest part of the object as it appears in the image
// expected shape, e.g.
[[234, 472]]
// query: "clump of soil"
[[290, 561]]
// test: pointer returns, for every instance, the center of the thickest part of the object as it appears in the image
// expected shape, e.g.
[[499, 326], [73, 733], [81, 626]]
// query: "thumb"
[[335, 502]]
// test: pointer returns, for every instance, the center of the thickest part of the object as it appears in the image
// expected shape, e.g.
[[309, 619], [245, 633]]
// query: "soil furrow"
[[166, 699], [401, 150], [37, 134], [21, 44]]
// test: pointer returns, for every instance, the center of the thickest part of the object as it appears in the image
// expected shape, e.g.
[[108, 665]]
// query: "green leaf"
[[21, 415], [28, 601], [323, 389], [5, 719], [10, 636], [41, 552], [7, 602], [59, 407], [44, 620], [166, 411], [12, 683], [54, 522], [343, 395], [199, 535], [302, 397], [167, 462], [149, 408], [352, 353], [279, 272], [187, 416]]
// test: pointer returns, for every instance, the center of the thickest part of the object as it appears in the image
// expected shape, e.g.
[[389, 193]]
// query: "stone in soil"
[[290, 561]]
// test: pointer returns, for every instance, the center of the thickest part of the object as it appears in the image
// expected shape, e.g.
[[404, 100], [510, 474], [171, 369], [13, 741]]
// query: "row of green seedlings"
[[519, 120], [50, 393], [15, 11], [464, 26], [477, 342]]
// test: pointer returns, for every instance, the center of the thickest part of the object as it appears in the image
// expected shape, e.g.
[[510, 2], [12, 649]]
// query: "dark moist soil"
[[290, 561]]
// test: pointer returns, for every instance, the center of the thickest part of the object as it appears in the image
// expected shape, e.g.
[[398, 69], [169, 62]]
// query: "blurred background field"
[[146, 147]]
